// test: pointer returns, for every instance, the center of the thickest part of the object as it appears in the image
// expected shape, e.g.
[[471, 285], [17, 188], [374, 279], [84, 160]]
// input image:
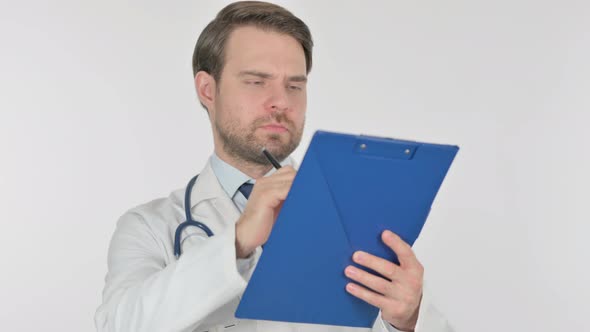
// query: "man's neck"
[[253, 170]]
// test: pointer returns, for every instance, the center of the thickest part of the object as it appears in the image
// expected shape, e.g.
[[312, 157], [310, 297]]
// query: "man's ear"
[[205, 86]]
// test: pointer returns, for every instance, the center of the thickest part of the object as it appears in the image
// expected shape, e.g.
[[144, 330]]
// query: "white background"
[[98, 114]]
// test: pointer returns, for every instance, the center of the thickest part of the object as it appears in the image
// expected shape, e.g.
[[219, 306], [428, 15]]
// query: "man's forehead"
[[251, 48]]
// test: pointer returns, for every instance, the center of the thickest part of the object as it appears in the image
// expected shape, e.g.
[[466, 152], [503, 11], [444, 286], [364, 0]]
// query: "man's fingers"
[[285, 169], [275, 184], [284, 174], [367, 295], [369, 280], [404, 252], [384, 267]]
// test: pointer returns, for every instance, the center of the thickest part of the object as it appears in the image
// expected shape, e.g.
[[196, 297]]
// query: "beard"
[[243, 143]]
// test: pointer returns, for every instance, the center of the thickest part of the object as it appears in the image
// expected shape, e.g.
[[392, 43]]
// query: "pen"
[[270, 158]]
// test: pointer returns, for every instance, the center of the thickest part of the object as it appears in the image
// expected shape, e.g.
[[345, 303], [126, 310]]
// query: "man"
[[250, 67]]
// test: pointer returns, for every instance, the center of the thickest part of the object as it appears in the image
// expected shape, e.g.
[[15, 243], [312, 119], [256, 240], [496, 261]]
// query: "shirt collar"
[[232, 178]]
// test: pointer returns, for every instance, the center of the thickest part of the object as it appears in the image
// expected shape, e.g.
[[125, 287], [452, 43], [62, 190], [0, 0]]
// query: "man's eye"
[[294, 87], [255, 82]]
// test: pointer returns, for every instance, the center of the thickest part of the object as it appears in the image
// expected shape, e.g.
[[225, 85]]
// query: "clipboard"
[[348, 190]]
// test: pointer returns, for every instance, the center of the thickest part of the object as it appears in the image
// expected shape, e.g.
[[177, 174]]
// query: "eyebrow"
[[263, 75]]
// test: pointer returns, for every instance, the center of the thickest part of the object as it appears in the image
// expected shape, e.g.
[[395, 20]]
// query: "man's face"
[[261, 97]]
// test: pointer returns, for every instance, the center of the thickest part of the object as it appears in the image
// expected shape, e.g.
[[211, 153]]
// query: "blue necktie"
[[246, 189]]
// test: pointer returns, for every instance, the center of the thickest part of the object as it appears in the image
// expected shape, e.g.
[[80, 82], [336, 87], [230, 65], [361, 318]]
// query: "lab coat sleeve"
[[429, 318], [142, 293]]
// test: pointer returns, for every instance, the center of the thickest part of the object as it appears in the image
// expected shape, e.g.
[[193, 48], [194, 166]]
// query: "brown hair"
[[210, 49]]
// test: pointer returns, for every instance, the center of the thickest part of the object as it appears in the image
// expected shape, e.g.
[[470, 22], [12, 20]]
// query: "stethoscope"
[[187, 208], [189, 219]]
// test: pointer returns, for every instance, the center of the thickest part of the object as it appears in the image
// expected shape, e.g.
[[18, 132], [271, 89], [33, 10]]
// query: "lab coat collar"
[[208, 187], [231, 178]]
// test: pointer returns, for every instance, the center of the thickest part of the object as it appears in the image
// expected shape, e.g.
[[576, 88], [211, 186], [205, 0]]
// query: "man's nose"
[[278, 100]]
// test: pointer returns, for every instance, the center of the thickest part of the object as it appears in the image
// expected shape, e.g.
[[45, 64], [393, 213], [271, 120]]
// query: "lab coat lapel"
[[209, 205], [207, 188]]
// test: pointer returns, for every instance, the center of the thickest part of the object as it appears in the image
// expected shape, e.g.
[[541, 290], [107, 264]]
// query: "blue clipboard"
[[348, 190]]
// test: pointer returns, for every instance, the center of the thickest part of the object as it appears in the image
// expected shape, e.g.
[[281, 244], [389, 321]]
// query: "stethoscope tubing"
[[189, 219]]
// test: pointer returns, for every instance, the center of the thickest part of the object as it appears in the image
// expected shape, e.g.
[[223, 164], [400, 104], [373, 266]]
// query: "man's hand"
[[260, 214], [399, 297]]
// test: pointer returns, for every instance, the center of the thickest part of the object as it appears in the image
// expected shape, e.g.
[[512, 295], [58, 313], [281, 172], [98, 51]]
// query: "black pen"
[[270, 158]]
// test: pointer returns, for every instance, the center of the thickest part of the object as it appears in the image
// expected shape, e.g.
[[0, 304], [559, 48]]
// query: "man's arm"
[[143, 294]]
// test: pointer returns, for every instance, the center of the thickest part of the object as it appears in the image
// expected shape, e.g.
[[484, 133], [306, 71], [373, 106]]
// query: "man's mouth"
[[275, 128]]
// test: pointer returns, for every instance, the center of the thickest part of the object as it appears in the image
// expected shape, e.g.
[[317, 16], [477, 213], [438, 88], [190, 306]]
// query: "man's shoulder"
[[159, 211]]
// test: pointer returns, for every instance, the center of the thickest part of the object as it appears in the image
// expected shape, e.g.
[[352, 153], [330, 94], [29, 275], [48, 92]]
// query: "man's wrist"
[[410, 324], [241, 250]]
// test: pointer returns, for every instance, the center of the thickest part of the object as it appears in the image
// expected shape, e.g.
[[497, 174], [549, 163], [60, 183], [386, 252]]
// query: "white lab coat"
[[147, 289]]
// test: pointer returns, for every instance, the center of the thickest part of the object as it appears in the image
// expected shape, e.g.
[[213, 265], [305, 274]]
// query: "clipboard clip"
[[383, 147]]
